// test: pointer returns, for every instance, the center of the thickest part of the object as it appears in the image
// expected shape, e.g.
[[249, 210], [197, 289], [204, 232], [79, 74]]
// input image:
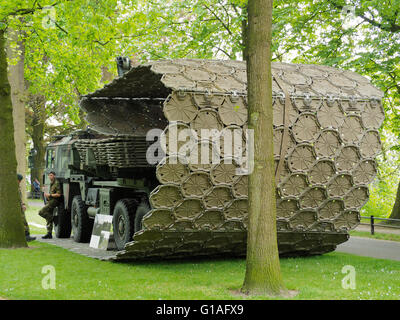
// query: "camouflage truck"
[[90, 188], [326, 137]]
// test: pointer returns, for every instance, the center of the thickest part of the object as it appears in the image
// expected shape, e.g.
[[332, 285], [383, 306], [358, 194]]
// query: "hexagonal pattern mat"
[[201, 208]]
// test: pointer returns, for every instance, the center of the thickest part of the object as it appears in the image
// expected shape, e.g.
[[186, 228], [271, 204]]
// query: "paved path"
[[80, 248], [36, 204], [381, 249], [37, 225]]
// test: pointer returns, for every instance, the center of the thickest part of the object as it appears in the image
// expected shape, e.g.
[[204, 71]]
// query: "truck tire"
[[82, 225], [123, 222], [141, 211], [62, 222]]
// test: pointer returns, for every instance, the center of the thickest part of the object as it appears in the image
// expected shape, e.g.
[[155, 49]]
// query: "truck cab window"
[[50, 160], [64, 157]]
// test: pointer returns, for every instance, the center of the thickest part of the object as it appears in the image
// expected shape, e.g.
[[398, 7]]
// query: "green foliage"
[[65, 54], [197, 29], [381, 200], [67, 46], [383, 189]]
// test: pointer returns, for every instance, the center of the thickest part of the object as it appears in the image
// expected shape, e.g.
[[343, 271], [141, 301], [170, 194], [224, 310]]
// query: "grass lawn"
[[79, 277], [378, 236]]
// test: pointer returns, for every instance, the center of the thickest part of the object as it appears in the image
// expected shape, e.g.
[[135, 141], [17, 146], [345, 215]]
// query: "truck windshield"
[[63, 157]]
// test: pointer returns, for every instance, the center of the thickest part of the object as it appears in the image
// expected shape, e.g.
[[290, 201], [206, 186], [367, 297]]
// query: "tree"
[[16, 56], [263, 274], [11, 226], [203, 29], [36, 127], [396, 208]]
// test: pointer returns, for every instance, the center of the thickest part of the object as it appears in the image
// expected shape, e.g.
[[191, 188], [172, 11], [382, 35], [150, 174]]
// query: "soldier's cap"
[[19, 176], [52, 172]]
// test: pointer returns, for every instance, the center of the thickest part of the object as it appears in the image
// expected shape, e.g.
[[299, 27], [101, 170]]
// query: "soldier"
[[23, 208], [53, 199], [36, 189]]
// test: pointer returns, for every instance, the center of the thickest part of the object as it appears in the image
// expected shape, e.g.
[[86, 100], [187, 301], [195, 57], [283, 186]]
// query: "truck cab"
[[89, 189]]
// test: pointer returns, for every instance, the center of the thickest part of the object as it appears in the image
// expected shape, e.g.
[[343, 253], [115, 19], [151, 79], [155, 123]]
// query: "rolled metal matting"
[[325, 142]]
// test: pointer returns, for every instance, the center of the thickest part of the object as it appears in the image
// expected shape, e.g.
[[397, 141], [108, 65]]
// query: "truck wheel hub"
[[121, 226], [75, 219]]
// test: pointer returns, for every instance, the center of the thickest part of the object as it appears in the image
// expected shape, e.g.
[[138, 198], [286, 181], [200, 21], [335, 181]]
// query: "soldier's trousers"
[[47, 213]]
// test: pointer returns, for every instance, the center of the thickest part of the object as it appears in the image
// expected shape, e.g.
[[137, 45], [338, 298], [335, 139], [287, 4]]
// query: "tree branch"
[[393, 27], [219, 19], [26, 11]]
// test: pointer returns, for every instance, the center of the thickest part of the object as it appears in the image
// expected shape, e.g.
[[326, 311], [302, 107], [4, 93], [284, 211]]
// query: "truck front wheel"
[[82, 225], [123, 222]]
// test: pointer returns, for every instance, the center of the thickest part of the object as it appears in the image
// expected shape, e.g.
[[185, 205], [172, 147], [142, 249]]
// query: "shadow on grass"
[[157, 262], [180, 261]]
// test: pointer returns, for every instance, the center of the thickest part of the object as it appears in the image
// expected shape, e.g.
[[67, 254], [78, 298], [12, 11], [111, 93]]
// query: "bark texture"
[[37, 125], [396, 208], [263, 275], [16, 53], [11, 225]]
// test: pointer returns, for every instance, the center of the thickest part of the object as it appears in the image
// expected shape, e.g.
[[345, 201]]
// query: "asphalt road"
[[381, 249]]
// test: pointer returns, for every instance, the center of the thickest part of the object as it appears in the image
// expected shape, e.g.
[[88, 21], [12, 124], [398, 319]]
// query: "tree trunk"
[[263, 275], [11, 225], [396, 208], [37, 135], [17, 83]]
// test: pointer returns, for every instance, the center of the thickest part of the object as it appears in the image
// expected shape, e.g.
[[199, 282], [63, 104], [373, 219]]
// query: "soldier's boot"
[[29, 238], [47, 236]]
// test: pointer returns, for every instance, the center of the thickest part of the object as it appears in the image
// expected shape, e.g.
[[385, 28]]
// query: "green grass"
[[378, 236], [79, 277]]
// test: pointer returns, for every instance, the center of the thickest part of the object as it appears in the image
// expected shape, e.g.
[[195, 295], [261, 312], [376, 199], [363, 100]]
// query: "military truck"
[[326, 137], [90, 188]]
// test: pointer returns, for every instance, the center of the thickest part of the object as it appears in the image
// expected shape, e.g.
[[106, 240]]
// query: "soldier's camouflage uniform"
[[26, 226], [47, 211]]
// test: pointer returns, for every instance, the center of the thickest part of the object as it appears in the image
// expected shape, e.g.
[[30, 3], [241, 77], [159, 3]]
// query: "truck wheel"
[[62, 222], [141, 211], [82, 225], [123, 221]]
